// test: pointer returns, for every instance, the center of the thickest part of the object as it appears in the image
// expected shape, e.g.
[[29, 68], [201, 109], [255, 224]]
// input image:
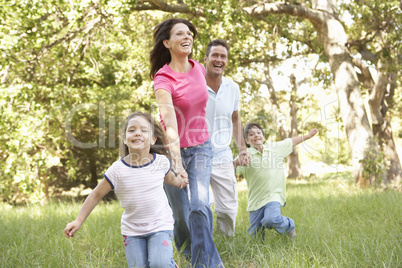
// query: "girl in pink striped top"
[[137, 179]]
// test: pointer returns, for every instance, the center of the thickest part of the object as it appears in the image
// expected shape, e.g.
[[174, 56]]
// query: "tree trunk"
[[275, 105], [382, 90], [381, 96], [333, 38], [323, 15], [93, 171], [293, 159]]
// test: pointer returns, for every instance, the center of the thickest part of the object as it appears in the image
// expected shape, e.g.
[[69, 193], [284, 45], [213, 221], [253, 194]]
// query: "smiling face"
[[180, 41], [255, 137], [216, 60], [138, 135]]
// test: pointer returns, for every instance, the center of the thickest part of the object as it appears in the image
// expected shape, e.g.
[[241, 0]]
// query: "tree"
[[332, 36], [70, 72], [293, 158], [376, 49]]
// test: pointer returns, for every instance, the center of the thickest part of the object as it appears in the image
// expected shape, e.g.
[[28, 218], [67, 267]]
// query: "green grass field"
[[337, 224]]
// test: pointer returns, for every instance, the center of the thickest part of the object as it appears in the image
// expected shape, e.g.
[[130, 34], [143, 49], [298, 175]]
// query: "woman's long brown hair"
[[160, 55]]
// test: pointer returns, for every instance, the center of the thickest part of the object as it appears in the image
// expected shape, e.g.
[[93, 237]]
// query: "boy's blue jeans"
[[151, 250], [269, 216], [193, 216]]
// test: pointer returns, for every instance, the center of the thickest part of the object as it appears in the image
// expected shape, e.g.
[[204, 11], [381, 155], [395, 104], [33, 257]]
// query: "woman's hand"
[[180, 172], [176, 180], [183, 182]]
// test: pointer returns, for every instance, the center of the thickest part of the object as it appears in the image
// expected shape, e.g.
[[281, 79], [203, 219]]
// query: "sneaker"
[[292, 234]]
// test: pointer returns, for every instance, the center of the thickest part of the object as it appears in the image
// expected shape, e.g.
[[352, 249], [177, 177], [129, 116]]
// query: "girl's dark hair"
[[217, 42], [160, 145], [160, 55], [250, 126]]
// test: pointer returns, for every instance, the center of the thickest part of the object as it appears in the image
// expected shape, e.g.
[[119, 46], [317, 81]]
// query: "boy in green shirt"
[[266, 180]]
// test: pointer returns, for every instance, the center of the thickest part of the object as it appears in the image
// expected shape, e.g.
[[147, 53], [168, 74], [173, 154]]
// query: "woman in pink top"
[[181, 93]]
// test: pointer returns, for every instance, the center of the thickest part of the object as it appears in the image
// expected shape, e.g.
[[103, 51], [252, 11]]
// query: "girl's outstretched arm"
[[178, 181], [90, 203]]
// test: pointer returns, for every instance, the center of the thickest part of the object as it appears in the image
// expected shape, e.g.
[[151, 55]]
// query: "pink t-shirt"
[[190, 95], [140, 192]]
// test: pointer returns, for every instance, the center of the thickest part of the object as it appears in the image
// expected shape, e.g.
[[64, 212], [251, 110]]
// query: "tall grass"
[[337, 225]]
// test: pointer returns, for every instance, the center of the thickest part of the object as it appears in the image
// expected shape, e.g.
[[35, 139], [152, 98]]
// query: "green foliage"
[[71, 70], [70, 73], [377, 28], [375, 37], [336, 152], [375, 164]]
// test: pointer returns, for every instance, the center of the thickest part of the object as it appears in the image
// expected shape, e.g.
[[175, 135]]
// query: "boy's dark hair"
[[160, 145], [250, 126], [217, 42]]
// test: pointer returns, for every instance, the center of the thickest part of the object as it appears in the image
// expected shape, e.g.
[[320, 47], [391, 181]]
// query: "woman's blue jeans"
[[269, 216], [151, 250], [193, 216]]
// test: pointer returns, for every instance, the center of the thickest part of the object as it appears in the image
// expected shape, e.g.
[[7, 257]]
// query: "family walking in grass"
[[163, 178]]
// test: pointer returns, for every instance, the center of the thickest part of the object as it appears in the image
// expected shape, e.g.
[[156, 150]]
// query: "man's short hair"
[[217, 42]]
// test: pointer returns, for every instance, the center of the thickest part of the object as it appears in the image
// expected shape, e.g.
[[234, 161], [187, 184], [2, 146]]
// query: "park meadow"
[[338, 225], [71, 71]]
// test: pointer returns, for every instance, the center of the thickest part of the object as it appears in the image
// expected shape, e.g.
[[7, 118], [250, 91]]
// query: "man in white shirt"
[[223, 122]]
